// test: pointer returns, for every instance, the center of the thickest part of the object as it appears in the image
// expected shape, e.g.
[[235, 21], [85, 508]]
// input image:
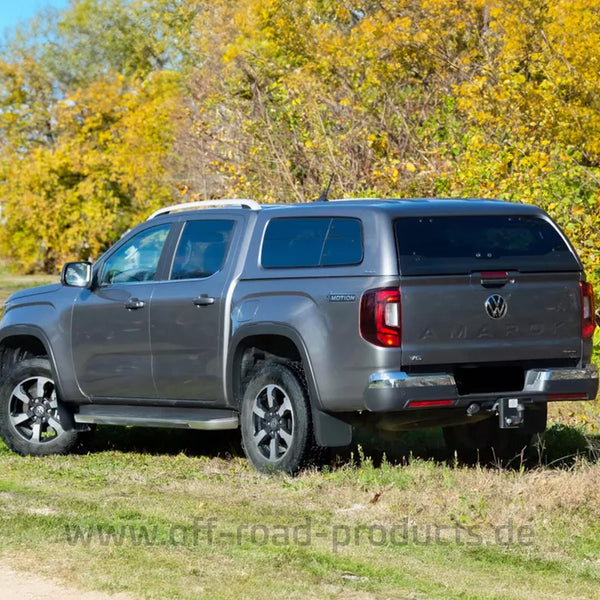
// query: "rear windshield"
[[456, 245]]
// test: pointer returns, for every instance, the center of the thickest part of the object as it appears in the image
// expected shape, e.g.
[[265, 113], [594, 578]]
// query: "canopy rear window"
[[467, 244]]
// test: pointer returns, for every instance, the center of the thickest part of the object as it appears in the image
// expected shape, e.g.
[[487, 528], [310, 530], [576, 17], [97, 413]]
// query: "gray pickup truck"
[[297, 322]]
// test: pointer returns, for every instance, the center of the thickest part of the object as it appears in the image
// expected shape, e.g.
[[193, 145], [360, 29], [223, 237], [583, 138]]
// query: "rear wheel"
[[33, 421], [276, 423]]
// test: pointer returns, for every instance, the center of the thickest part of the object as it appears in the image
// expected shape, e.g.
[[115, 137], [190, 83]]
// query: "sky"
[[13, 12]]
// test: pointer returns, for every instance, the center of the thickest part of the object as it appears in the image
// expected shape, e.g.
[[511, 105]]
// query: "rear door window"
[[202, 249], [312, 242], [467, 244]]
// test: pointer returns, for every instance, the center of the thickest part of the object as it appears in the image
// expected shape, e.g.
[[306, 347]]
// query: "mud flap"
[[330, 432]]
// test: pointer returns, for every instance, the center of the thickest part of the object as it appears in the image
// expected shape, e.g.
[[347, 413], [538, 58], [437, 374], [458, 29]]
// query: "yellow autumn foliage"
[[73, 196], [403, 98], [267, 99]]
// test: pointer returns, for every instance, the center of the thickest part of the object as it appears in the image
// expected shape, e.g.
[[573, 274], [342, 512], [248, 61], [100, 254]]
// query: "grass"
[[10, 282], [181, 515], [166, 515]]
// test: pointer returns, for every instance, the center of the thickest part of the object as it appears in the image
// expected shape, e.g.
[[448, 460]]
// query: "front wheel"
[[276, 422], [33, 421]]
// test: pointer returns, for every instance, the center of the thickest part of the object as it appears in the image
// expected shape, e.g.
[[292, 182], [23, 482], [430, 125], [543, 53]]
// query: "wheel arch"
[[20, 342], [254, 343], [263, 342]]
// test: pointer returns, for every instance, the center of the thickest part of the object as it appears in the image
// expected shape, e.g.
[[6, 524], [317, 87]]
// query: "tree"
[[86, 127], [116, 104]]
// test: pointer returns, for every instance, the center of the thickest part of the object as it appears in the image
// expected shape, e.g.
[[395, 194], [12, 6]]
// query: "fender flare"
[[35, 332], [329, 430], [278, 329]]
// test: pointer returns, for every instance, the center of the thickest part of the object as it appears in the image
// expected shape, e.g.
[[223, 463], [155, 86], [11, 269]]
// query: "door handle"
[[134, 304], [204, 300]]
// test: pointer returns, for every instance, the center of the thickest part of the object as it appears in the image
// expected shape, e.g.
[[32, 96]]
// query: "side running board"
[[158, 416]]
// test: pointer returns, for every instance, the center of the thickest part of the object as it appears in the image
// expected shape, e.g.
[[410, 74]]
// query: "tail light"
[[380, 317], [588, 323]]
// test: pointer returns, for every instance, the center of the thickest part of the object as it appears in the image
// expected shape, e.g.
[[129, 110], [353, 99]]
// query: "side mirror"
[[77, 274]]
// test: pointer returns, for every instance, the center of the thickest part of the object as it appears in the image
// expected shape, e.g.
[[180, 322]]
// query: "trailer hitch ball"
[[473, 409]]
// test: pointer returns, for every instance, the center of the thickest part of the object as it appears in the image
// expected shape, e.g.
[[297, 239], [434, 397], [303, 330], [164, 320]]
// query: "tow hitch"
[[511, 413]]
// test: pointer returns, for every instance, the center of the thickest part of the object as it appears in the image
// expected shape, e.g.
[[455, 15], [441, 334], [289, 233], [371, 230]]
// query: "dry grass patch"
[[217, 529], [174, 515]]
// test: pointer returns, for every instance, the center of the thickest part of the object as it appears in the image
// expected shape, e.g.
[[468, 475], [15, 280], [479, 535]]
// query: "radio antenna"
[[324, 197]]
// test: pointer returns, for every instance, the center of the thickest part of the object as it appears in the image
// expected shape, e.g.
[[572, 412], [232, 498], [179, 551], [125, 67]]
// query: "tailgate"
[[487, 288], [462, 319]]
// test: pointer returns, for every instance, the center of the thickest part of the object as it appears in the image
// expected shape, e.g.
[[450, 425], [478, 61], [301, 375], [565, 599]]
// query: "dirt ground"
[[30, 586]]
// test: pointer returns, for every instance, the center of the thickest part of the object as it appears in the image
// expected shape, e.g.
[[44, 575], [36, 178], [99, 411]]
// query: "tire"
[[33, 421], [276, 422], [485, 442]]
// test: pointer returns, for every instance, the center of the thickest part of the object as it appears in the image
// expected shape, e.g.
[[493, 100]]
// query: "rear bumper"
[[395, 391]]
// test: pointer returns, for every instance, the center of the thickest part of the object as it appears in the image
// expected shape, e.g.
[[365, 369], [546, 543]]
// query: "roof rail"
[[249, 204], [352, 199]]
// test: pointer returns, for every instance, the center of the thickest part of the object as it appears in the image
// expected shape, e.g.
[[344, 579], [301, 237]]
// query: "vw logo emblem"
[[496, 306]]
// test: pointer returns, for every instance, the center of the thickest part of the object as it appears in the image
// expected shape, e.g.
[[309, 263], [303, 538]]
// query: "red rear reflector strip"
[[567, 396], [425, 403], [494, 274]]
